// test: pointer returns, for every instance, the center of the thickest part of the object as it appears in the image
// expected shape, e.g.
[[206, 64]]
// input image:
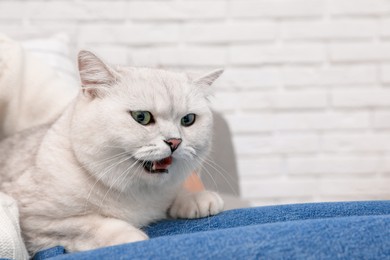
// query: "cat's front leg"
[[115, 232], [196, 204], [88, 232]]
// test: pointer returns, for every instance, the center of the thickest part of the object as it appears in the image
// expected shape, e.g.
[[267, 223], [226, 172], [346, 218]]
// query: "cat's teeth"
[[157, 166]]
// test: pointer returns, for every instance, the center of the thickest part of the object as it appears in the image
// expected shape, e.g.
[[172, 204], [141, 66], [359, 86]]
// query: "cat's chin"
[[157, 167]]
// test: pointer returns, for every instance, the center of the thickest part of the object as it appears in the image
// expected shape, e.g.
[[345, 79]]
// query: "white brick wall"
[[306, 88]]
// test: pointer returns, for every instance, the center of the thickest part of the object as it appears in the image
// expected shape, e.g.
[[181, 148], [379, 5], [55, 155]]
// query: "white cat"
[[114, 161]]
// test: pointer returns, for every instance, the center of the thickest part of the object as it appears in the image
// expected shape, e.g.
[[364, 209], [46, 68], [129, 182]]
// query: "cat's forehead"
[[160, 91]]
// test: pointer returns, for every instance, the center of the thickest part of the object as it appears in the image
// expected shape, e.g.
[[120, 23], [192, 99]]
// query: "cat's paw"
[[129, 237], [196, 205], [117, 232]]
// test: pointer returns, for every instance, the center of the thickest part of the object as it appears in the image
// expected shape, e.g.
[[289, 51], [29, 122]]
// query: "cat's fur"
[[77, 181]]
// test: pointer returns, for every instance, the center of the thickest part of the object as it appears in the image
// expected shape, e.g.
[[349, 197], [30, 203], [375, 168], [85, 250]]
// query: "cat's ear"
[[209, 78], [95, 75]]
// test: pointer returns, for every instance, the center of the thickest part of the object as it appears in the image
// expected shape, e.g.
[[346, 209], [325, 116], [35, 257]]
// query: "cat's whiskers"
[[101, 175], [100, 162], [188, 164], [208, 162], [137, 175], [128, 180], [201, 161], [203, 169], [225, 177], [116, 179]]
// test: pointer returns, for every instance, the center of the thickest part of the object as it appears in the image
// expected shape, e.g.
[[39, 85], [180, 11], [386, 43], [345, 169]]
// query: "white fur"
[[78, 182]]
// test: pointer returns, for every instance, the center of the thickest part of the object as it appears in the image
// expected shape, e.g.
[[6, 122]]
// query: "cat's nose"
[[173, 143]]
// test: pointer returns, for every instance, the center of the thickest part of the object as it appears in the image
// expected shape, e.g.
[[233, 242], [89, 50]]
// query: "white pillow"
[[43, 80], [54, 51], [58, 86], [11, 243]]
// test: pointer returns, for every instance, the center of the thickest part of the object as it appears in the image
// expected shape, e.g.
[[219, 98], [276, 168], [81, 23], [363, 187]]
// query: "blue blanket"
[[343, 230]]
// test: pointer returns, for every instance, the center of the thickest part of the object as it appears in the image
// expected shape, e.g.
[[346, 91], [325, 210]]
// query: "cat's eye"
[[142, 117], [188, 119]]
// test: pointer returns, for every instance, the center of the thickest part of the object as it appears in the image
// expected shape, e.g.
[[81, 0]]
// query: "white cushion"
[[11, 243], [54, 51], [40, 71]]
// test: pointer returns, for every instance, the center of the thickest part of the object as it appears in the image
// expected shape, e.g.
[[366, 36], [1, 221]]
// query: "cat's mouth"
[[160, 166]]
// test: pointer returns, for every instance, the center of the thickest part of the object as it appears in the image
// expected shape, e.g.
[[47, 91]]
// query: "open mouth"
[[160, 166]]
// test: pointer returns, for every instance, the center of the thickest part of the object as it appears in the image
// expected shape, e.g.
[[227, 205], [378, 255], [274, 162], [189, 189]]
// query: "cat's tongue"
[[162, 164]]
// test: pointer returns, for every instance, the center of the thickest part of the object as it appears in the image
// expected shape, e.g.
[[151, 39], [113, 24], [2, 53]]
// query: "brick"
[[359, 52], [329, 30], [381, 119], [253, 145], [224, 101], [276, 8], [113, 55], [384, 27], [344, 75], [301, 99], [359, 7], [140, 34], [179, 57], [293, 53], [385, 73], [385, 165], [377, 97], [356, 142], [145, 57], [229, 32], [276, 144], [251, 78], [259, 202], [62, 10], [278, 188], [194, 56], [255, 100], [289, 191], [154, 10], [251, 123], [332, 165], [176, 10], [257, 167], [265, 122], [252, 100], [298, 99], [377, 188]]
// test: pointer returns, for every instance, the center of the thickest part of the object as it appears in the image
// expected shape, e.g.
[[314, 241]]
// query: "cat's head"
[[150, 124]]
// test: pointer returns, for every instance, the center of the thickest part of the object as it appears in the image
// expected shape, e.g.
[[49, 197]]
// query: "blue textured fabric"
[[350, 230], [269, 214], [55, 251]]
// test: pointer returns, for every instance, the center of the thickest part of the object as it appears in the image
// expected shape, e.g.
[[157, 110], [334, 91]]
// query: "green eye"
[[142, 117], [188, 120]]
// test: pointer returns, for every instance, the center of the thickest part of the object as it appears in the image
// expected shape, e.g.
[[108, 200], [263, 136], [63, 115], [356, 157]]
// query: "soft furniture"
[[344, 230]]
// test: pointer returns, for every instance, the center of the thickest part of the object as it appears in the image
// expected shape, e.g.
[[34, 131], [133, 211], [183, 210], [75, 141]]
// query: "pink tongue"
[[163, 164]]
